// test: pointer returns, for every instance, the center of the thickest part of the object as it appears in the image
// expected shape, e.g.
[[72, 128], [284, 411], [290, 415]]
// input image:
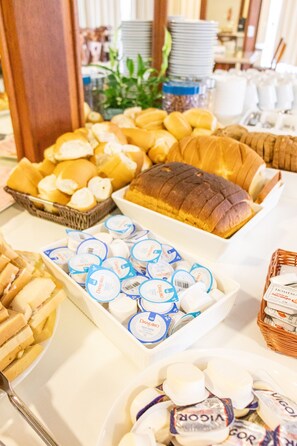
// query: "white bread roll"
[[47, 188], [201, 118], [119, 168], [132, 112], [177, 125], [72, 146], [139, 137], [135, 154], [151, 119], [123, 121], [82, 200], [199, 131], [94, 117], [49, 154], [87, 110], [73, 175], [108, 132], [147, 163], [101, 188], [46, 167], [24, 177], [163, 143]]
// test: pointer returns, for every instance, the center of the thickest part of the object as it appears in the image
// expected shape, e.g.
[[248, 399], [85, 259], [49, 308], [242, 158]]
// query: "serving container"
[[194, 239], [120, 336], [118, 421]]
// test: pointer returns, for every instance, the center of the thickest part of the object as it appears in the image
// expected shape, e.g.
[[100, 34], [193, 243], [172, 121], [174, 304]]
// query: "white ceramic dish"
[[120, 336], [194, 239], [118, 422]]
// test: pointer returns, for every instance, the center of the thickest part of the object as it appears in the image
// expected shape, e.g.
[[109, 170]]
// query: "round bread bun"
[[87, 110], [139, 137], [108, 132], [82, 200], [72, 146], [123, 121], [24, 178], [132, 112], [101, 188], [119, 168], [135, 154], [201, 118], [200, 131], [46, 167], [147, 163], [73, 175], [49, 154], [177, 125], [163, 143], [151, 119], [94, 117]]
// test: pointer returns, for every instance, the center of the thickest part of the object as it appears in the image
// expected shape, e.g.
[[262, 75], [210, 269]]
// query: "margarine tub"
[[160, 308], [79, 266], [119, 226], [93, 246], [60, 256], [102, 284], [149, 328], [120, 266], [74, 238]]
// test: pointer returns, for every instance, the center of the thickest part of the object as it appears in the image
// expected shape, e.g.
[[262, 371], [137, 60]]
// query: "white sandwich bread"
[[101, 188], [11, 348], [47, 307], [12, 325], [7, 276]]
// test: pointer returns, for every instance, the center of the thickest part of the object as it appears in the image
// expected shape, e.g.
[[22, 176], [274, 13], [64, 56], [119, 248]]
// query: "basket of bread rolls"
[[29, 297], [74, 182]]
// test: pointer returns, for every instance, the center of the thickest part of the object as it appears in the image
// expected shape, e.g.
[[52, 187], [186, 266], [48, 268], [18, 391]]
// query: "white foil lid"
[[120, 266], [76, 237], [146, 250], [170, 254], [202, 274], [160, 270], [103, 284], [182, 280], [93, 246], [119, 224], [131, 285], [158, 291], [149, 328], [60, 255], [82, 262]]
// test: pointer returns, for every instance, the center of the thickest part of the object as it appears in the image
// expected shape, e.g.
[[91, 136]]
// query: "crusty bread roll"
[[119, 168], [24, 177], [87, 110], [135, 154], [49, 154], [163, 143], [108, 132], [72, 146], [201, 118], [151, 119], [192, 196], [132, 112], [123, 121], [222, 156], [147, 163], [139, 137], [200, 131], [82, 200], [94, 117], [47, 188], [46, 167], [73, 175], [177, 125], [101, 188]]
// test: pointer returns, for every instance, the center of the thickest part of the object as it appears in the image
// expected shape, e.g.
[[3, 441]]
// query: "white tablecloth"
[[74, 385]]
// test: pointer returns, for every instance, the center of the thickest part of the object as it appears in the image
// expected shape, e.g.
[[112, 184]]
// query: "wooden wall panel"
[[159, 25], [41, 68]]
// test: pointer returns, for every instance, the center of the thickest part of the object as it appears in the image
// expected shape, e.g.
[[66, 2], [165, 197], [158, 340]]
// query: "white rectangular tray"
[[193, 239], [120, 336]]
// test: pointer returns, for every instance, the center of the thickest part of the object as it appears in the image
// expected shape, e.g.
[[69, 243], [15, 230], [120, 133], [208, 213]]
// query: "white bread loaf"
[[225, 157], [73, 175], [101, 188], [72, 146], [82, 200]]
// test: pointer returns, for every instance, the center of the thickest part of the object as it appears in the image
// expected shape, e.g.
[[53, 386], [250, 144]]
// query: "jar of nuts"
[[180, 96]]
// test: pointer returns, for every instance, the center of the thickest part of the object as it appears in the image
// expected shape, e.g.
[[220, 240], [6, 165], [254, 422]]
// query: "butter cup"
[[122, 307], [119, 248], [185, 384], [147, 396], [138, 439]]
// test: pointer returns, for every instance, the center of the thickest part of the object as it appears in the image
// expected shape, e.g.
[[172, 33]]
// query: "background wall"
[[217, 10]]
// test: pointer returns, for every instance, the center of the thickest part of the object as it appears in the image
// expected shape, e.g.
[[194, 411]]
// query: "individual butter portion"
[[138, 439], [122, 307], [146, 250], [286, 435], [149, 328], [282, 316], [93, 246], [12, 325], [158, 291], [245, 433], [282, 298], [145, 399], [185, 384], [276, 409], [102, 284], [122, 267], [75, 238], [60, 256], [156, 419], [226, 379]]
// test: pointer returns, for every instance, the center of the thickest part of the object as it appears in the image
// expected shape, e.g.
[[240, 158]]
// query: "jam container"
[[180, 96]]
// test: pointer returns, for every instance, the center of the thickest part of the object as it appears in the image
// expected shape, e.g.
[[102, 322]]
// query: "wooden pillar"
[[251, 25], [203, 9], [159, 24], [41, 68]]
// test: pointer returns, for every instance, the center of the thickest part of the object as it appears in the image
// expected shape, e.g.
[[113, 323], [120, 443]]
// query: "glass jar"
[[180, 96], [97, 89], [88, 90]]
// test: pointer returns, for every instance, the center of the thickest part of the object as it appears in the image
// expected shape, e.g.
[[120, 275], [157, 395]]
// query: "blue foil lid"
[[180, 89]]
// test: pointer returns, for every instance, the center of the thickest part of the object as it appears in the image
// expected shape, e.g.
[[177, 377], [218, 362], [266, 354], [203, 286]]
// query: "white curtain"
[[287, 30], [186, 8], [94, 13]]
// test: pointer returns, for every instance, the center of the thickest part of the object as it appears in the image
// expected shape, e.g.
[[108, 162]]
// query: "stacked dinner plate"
[[192, 53], [137, 39]]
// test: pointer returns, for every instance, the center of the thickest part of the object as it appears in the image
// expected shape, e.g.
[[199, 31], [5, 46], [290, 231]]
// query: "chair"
[[278, 54]]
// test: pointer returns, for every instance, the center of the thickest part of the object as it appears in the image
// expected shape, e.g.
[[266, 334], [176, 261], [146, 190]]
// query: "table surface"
[[75, 383], [239, 58]]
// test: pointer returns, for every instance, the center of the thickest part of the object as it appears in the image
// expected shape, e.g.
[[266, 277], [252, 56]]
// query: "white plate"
[[210, 246], [118, 422]]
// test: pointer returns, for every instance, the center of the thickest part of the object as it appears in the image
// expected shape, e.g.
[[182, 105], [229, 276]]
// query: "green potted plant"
[[140, 85]]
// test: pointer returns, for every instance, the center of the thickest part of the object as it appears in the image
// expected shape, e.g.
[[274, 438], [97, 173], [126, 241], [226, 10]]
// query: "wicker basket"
[[277, 339], [64, 215]]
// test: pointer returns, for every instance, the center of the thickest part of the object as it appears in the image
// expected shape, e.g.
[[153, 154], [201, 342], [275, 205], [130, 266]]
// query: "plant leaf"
[[130, 66]]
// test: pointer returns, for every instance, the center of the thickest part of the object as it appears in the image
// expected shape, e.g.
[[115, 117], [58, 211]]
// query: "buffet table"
[[75, 383]]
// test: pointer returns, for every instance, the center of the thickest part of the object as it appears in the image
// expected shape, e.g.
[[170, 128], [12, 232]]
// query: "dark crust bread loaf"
[[192, 196]]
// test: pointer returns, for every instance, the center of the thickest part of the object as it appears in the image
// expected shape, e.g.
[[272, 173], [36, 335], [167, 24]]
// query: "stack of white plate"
[[137, 39], [193, 44]]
